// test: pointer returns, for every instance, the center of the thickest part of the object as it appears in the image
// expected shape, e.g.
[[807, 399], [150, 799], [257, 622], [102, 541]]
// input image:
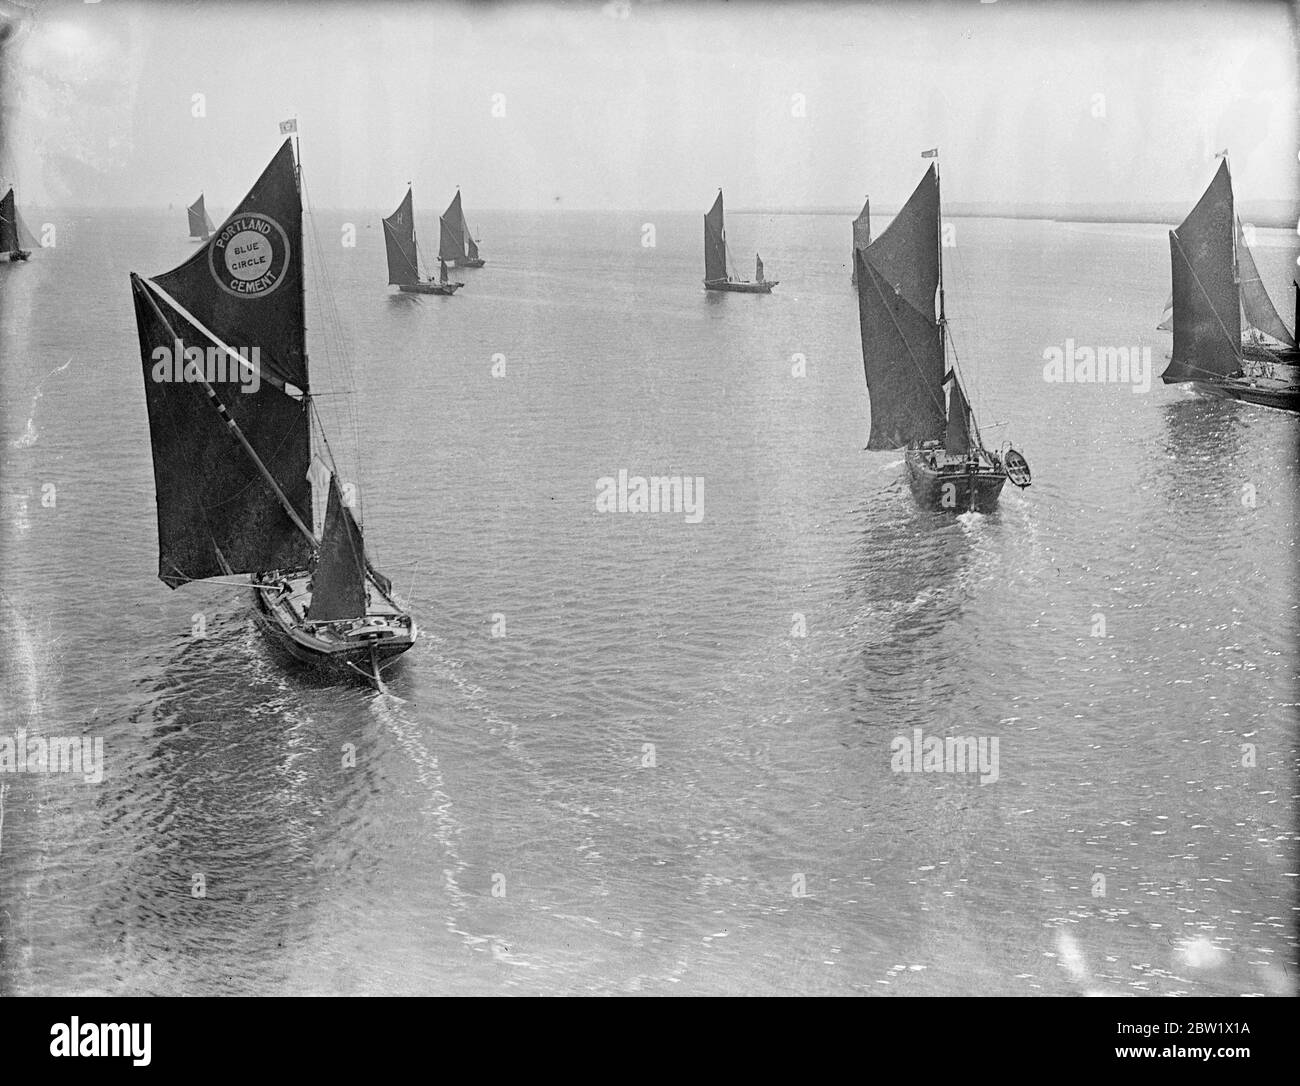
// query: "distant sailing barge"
[[13, 234], [455, 243], [200, 222], [716, 260], [404, 255], [232, 436], [904, 352], [1228, 337]]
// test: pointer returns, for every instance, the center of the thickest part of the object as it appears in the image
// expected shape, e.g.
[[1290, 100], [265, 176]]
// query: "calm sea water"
[[651, 782]]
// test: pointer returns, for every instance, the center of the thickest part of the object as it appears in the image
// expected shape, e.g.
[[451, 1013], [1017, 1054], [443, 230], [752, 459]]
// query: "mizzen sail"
[[1207, 309], [339, 579], [715, 243], [399, 241], [898, 277]]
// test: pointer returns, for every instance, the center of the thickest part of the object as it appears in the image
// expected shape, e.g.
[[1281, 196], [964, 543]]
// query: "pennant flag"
[[1221, 154], [933, 152], [288, 126]]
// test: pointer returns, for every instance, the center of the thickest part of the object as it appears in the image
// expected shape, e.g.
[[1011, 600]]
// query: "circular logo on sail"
[[250, 255]]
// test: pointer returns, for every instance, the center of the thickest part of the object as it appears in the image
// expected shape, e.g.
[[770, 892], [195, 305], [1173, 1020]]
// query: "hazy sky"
[[649, 105]]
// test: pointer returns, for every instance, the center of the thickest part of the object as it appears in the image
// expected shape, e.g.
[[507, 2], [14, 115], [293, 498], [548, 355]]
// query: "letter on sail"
[[898, 276], [1207, 310]]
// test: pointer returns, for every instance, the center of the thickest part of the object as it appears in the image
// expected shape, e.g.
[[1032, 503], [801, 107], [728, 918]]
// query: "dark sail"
[[399, 240], [715, 243], [216, 513], [449, 240], [957, 439], [339, 579], [898, 276], [758, 268], [454, 235], [1256, 306], [200, 224], [8, 224], [861, 232], [1207, 309], [472, 248], [246, 283]]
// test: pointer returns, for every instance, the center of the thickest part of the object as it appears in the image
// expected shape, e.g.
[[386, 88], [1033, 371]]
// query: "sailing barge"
[[13, 234], [200, 222], [716, 261], [904, 352], [404, 255], [1228, 337], [456, 245], [232, 431]]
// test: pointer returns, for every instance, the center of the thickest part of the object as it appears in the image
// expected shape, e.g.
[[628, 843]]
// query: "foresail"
[[1207, 310], [862, 227], [472, 248], [245, 284], [216, 512], [715, 245], [339, 579], [399, 241], [1257, 307], [902, 353]]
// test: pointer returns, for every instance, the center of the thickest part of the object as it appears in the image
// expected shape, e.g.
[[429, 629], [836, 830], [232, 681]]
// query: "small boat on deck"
[[1229, 340], [234, 432], [716, 261], [456, 244], [13, 233], [404, 255], [200, 222], [904, 351]]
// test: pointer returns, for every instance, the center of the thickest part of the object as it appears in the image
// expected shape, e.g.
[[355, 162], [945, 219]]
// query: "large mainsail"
[[222, 508], [902, 351], [715, 243], [399, 240], [339, 579], [1257, 307], [1207, 308]]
